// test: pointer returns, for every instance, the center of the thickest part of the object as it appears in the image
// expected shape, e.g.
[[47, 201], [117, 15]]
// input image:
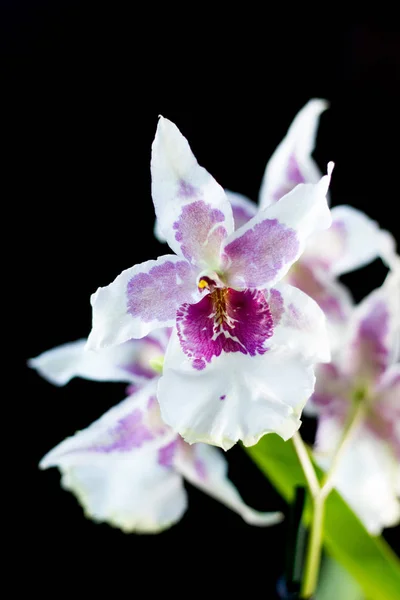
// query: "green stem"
[[306, 464], [313, 557], [319, 492]]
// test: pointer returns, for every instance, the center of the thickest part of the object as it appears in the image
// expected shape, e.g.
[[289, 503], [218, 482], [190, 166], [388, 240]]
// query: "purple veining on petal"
[[198, 232], [256, 257], [155, 296], [200, 469], [186, 190], [276, 306], [293, 177], [224, 321], [370, 354], [129, 432], [166, 454], [302, 276]]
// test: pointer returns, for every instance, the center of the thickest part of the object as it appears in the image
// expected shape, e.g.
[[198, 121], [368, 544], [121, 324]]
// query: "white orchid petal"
[[127, 362], [373, 334], [352, 241], [206, 468], [121, 467], [331, 296], [141, 299], [291, 163], [300, 325], [193, 212], [261, 252], [235, 397], [366, 476]]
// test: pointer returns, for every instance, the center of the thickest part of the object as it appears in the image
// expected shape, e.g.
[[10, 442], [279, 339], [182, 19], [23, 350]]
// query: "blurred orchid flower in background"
[[237, 329], [128, 467], [364, 379]]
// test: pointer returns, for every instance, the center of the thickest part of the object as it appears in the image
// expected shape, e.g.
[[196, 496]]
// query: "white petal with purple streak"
[[206, 468], [352, 241], [331, 296], [234, 397], [193, 212], [126, 362], [261, 252], [366, 476], [291, 163], [141, 299], [121, 467], [373, 338]]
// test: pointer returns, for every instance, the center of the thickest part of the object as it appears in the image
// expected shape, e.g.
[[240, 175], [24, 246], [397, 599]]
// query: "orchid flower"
[[240, 360], [128, 467], [362, 386], [352, 241]]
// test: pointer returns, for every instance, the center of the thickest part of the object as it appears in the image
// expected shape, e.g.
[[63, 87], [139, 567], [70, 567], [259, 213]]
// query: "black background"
[[83, 85]]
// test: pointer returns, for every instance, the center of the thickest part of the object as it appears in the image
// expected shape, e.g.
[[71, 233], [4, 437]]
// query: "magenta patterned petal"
[[200, 231], [140, 300], [224, 321], [193, 212], [155, 295]]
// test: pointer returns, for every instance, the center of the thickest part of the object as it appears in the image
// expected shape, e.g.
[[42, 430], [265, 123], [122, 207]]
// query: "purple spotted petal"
[[141, 299], [257, 257], [193, 213], [200, 230], [261, 252], [224, 321]]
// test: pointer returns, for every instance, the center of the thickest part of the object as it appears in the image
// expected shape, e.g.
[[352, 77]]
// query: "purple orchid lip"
[[226, 320]]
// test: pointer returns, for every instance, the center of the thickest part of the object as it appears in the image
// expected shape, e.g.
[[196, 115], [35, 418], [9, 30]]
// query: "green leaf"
[[370, 560], [335, 582]]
